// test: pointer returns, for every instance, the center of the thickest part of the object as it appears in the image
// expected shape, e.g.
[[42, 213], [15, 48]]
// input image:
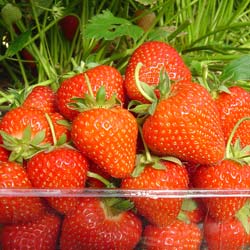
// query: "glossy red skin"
[[102, 75], [186, 125], [226, 175], [154, 55], [41, 234], [17, 209], [108, 138], [69, 25], [59, 168], [228, 235], [159, 211], [179, 235], [4, 154], [16, 120], [89, 227], [232, 107], [42, 98]]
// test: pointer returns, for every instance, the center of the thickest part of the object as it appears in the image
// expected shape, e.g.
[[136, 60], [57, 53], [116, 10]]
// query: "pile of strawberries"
[[153, 129]]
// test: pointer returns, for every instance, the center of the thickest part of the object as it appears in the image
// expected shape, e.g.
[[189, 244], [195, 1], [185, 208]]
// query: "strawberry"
[[69, 25], [26, 55], [192, 210], [40, 234], [77, 86], [229, 234], [17, 209], [107, 134], [42, 98], [59, 168], [24, 131], [108, 138], [178, 235], [160, 211], [226, 175], [154, 56], [4, 154], [95, 224], [186, 124], [232, 107]]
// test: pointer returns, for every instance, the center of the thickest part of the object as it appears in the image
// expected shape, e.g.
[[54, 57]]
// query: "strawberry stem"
[[100, 178], [229, 142], [150, 96], [52, 129], [89, 85]]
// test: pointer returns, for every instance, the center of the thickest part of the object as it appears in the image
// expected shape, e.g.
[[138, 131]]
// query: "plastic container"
[[221, 235]]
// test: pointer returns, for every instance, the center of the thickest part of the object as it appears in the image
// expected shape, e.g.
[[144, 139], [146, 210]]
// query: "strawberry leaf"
[[107, 26], [18, 44], [189, 205], [237, 69]]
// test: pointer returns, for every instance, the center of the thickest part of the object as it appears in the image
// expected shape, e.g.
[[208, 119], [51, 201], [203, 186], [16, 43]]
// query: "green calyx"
[[235, 151], [243, 215], [89, 101], [115, 205], [25, 147], [149, 93]]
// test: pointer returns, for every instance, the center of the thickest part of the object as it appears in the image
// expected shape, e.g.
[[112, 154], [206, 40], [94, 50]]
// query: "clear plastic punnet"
[[124, 218]]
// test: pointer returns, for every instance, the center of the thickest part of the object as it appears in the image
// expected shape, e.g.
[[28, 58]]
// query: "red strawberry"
[[26, 55], [232, 107], [154, 56], [42, 98], [76, 86], [229, 234], [94, 224], [160, 211], [59, 168], [17, 209], [186, 125], [192, 210], [24, 130], [178, 235], [107, 137], [41, 234], [226, 175], [69, 25], [4, 154]]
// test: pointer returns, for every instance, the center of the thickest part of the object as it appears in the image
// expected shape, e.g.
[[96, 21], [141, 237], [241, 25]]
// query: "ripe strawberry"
[[186, 125], [226, 175], [69, 25], [42, 98], [76, 86], [59, 168], [17, 209], [160, 211], [178, 235], [4, 154], [232, 107], [107, 137], [229, 234], [40, 234], [24, 130], [154, 56], [95, 224]]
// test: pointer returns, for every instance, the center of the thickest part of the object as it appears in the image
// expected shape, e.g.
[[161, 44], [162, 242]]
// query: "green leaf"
[[107, 26], [237, 69], [38, 138], [18, 44]]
